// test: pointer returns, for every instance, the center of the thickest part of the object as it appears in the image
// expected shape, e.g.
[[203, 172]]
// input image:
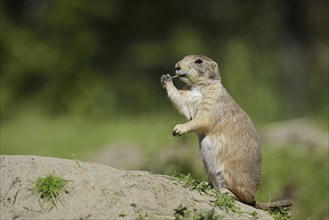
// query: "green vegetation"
[[191, 183], [300, 174], [65, 135], [107, 58], [50, 188], [226, 202], [281, 213]]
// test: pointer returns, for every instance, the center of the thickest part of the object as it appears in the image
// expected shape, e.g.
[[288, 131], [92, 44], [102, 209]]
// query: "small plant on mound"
[[226, 202], [49, 188], [191, 183], [280, 213]]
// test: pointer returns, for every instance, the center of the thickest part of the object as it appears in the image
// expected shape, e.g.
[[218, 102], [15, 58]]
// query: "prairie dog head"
[[197, 70]]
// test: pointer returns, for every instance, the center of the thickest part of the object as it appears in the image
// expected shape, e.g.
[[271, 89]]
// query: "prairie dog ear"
[[215, 67], [214, 71]]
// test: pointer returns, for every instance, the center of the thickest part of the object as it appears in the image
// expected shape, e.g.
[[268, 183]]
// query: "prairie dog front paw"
[[179, 130], [165, 80]]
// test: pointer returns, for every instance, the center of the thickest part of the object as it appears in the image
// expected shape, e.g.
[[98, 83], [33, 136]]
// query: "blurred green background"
[[80, 80]]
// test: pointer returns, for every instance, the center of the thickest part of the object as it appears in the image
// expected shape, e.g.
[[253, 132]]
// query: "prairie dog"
[[229, 143]]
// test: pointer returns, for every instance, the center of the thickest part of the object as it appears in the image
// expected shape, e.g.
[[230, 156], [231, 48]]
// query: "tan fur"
[[229, 143]]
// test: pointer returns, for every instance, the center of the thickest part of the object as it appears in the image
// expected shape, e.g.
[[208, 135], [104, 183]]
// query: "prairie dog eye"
[[198, 61]]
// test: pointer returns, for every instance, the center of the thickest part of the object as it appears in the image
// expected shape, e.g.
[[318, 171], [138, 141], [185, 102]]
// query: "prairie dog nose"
[[177, 66]]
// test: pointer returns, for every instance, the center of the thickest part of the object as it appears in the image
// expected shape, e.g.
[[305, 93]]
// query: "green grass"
[[281, 213], [33, 133], [300, 174], [49, 188], [191, 183], [226, 203]]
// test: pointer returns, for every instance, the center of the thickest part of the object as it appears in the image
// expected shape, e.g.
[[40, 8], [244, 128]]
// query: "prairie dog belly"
[[194, 101], [209, 150]]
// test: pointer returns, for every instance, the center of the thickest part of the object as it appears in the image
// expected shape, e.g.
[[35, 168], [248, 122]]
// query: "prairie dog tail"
[[274, 205]]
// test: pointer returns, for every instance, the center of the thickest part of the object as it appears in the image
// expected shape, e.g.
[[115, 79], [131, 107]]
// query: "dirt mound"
[[96, 191]]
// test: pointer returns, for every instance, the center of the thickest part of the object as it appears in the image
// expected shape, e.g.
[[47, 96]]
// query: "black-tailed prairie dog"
[[229, 143]]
